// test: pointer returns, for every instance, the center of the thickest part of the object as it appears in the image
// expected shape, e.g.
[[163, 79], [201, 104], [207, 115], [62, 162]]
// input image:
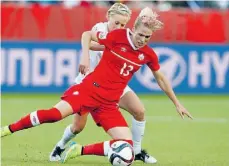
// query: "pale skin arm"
[[86, 39], [167, 88], [96, 46]]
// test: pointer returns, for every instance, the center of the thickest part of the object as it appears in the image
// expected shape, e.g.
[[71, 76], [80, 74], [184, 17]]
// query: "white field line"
[[186, 101], [146, 101], [176, 119], [16, 100]]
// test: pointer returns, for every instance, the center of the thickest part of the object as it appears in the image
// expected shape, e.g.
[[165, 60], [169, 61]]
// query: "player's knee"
[[76, 129], [139, 114], [78, 124]]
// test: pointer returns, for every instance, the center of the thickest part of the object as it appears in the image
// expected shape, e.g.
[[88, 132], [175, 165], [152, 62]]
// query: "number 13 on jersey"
[[125, 71]]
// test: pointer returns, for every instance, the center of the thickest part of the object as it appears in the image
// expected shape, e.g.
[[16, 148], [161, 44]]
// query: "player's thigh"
[[131, 103], [79, 122], [75, 96], [120, 133], [65, 108]]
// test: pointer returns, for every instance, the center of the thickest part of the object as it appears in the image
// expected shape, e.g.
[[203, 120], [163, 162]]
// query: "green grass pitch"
[[173, 141]]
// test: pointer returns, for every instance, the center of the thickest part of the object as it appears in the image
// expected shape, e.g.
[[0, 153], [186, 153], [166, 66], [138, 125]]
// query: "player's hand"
[[84, 66], [182, 111]]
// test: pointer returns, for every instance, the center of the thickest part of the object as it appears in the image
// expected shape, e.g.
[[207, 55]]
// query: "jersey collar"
[[128, 31]]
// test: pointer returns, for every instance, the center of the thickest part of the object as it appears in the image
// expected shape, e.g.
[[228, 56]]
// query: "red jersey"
[[120, 60]]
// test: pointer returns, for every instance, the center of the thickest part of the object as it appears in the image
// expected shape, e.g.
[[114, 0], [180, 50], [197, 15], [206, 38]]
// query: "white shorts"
[[79, 78], [127, 89]]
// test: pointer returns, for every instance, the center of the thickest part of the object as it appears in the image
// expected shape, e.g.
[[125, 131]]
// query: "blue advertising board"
[[52, 67]]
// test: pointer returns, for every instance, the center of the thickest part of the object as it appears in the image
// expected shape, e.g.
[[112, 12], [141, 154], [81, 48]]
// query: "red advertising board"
[[67, 24]]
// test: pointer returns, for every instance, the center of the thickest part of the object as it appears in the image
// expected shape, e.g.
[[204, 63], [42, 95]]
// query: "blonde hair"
[[149, 19], [119, 8]]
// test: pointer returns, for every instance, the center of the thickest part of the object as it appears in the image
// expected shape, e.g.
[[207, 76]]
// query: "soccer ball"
[[121, 153]]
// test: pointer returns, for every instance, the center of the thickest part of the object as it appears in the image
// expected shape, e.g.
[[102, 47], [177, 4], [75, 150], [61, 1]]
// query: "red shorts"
[[108, 118], [82, 101]]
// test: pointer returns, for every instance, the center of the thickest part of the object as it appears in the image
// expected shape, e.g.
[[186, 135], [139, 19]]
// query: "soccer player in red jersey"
[[117, 17], [125, 52]]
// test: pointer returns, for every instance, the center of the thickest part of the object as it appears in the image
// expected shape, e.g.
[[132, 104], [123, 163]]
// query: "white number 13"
[[125, 71]]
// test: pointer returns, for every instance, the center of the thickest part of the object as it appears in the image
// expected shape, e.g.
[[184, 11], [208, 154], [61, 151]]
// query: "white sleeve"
[[100, 27]]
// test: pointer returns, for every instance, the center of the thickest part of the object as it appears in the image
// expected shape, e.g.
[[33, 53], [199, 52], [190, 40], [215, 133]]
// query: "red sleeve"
[[105, 39], [153, 64]]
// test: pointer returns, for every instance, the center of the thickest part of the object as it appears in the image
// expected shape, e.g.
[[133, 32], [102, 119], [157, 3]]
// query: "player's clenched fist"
[[84, 66]]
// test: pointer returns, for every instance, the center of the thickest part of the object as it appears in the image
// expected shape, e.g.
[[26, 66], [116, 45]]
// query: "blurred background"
[[40, 54]]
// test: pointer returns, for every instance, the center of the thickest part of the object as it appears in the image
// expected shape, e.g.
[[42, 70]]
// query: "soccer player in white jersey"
[[118, 16]]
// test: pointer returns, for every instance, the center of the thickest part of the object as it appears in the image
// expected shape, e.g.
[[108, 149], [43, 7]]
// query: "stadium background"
[[40, 53]]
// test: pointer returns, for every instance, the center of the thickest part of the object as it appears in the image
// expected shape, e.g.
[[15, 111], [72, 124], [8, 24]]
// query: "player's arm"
[[89, 36], [99, 27], [86, 39], [167, 88], [96, 46]]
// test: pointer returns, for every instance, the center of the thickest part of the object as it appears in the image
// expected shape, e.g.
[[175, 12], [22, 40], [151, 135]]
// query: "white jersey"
[[95, 56]]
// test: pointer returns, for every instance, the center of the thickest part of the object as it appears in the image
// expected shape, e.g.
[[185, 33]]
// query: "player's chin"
[[140, 45]]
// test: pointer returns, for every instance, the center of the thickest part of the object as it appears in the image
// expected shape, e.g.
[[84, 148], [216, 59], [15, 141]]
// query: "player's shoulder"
[[119, 31], [101, 26], [118, 34], [149, 51]]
